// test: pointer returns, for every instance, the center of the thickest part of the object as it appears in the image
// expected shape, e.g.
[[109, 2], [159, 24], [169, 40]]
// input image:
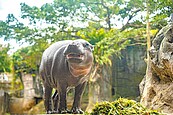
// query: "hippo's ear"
[[88, 46]]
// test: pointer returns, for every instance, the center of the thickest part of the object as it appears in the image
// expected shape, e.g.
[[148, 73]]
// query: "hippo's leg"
[[62, 109], [77, 98], [55, 102], [47, 99]]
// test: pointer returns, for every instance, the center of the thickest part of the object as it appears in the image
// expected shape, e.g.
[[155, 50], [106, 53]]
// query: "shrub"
[[122, 106]]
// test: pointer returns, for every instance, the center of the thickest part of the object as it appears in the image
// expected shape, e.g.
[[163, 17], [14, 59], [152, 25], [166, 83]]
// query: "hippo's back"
[[50, 51], [47, 59]]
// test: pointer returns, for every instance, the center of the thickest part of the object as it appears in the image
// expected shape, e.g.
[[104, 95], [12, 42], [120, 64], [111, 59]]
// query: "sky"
[[13, 6]]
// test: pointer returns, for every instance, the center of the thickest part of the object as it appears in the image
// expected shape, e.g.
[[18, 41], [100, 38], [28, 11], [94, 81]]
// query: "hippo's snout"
[[74, 46], [74, 52]]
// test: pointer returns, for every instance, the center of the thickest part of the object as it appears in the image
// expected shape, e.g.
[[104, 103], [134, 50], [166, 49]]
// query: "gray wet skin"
[[65, 64]]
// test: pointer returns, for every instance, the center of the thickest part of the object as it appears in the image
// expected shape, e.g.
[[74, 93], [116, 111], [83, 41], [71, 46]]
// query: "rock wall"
[[31, 96], [128, 71], [157, 87]]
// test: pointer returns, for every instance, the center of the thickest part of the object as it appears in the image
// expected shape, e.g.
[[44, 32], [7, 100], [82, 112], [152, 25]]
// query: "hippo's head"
[[79, 56], [78, 51]]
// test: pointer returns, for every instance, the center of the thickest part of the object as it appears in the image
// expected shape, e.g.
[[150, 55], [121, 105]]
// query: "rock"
[[21, 105], [128, 71], [158, 85], [38, 109]]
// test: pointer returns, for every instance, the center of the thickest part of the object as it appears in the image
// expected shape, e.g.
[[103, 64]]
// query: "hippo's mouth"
[[75, 56]]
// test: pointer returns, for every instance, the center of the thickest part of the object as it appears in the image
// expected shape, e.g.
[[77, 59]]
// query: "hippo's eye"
[[88, 46]]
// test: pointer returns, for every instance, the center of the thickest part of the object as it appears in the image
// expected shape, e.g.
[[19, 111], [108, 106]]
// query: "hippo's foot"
[[55, 112], [77, 110], [63, 111], [49, 112]]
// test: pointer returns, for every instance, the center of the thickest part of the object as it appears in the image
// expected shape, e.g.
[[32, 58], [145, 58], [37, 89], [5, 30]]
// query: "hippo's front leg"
[[62, 99], [77, 98]]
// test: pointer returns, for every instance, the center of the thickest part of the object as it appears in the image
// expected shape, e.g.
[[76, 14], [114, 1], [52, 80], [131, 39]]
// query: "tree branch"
[[130, 18], [108, 14]]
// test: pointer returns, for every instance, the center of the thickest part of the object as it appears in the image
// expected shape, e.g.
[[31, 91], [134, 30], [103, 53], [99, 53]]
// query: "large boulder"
[[157, 86]]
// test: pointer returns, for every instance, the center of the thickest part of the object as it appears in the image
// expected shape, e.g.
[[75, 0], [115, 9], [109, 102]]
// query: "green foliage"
[[109, 42], [5, 61], [27, 59], [56, 19], [112, 43], [106, 43], [122, 106], [160, 10], [10, 29]]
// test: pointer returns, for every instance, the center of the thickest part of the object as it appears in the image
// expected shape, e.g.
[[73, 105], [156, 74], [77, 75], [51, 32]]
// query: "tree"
[[5, 62], [148, 70], [27, 59]]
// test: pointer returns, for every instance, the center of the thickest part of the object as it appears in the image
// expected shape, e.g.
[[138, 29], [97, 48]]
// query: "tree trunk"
[[4, 102], [148, 78], [99, 86]]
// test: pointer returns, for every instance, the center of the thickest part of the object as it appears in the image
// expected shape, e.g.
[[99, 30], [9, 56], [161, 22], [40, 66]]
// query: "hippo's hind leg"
[[47, 99], [55, 102]]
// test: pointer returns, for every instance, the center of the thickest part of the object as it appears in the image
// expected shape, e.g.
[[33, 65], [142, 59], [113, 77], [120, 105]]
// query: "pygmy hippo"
[[65, 64]]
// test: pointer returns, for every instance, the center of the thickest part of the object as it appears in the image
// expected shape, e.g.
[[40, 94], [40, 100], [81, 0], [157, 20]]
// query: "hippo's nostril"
[[74, 44]]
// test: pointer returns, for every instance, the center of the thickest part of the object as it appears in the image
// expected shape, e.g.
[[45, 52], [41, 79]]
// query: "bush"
[[122, 107]]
